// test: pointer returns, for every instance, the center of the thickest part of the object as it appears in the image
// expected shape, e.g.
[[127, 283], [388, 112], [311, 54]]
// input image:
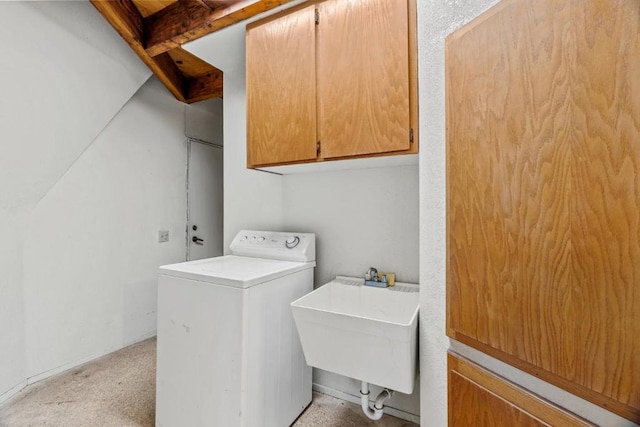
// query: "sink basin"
[[366, 333]]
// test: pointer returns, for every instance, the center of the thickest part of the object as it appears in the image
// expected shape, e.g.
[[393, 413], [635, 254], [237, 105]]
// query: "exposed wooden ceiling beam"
[[125, 18], [154, 36], [128, 22], [189, 64], [204, 4], [169, 72], [149, 7], [215, 4], [188, 20], [201, 87]]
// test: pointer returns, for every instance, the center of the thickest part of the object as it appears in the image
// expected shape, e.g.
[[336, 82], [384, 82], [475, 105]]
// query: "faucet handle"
[[372, 274]]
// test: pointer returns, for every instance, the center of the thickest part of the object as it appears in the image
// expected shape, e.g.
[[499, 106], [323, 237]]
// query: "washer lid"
[[232, 270]]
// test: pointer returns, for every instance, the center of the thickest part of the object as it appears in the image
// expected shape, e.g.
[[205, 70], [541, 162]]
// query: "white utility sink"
[[363, 332]]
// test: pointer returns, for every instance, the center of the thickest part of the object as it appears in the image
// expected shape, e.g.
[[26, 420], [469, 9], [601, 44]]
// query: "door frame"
[[188, 187]]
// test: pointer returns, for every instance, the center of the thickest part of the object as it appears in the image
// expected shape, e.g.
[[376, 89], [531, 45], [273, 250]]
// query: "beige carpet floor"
[[118, 390]]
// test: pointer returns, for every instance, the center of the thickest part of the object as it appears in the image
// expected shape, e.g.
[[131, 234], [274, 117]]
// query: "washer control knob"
[[292, 242], [261, 239]]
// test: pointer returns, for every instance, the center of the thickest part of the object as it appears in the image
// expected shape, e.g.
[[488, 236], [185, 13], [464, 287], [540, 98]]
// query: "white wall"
[[60, 84], [91, 251], [362, 218], [12, 365], [60, 87], [252, 199], [436, 20], [204, 121]]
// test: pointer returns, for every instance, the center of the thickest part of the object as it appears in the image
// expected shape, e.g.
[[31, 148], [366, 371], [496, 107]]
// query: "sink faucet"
[[380, 280], [373, 278], [372, 274]]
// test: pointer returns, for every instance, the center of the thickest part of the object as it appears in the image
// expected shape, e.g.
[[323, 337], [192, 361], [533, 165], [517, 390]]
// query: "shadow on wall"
[[48, 117]]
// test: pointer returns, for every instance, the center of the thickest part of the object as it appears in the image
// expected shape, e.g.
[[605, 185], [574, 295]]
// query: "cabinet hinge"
[[410, 134], [317, 17], [318, 148]]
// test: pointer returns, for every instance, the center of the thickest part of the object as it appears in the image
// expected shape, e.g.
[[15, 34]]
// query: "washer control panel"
[[287, 246]]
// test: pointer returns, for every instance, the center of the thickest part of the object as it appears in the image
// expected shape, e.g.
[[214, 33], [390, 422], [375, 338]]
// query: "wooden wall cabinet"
[[478, 397], [543, 193], [330, 80]]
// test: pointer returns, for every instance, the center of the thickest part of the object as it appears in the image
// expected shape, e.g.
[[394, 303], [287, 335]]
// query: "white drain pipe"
[[376, 412]]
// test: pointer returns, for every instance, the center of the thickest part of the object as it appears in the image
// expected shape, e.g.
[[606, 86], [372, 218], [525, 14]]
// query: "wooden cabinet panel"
[[281, 89], [349, 82], [479, 398], [543, 193], [363, 77]]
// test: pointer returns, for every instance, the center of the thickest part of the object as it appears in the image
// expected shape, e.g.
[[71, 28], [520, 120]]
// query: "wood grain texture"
[[188, 20], [543, 192], [149, 7], [187, 77], [205, 86], [167, 71], [478, 397], [414, 109], [123, 16], [605, 214], [363, 77], [281, 89], [190, 65], [217, 4]]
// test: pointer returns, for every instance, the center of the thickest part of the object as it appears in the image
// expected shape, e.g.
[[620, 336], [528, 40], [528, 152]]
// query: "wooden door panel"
[[605, 221], [478, 397], [363, 77], [543, 193], [281, 89]]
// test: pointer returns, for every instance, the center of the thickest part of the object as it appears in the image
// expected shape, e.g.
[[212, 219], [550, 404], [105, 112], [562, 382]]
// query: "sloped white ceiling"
[[62, 79]]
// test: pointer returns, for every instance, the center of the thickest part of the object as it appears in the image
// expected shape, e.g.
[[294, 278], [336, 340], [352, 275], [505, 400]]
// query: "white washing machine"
[[228, 351]]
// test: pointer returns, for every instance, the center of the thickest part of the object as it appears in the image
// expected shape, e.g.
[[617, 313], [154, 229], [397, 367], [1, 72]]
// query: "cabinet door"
[[281, 89], [479, 398], [363, 77], [543, 193]]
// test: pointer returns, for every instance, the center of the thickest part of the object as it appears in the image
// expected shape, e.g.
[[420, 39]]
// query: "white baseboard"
[[65, 367], [12, 391], [356, 399]]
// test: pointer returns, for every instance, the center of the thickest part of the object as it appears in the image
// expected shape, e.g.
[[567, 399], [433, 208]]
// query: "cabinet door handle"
[[197, 240]]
